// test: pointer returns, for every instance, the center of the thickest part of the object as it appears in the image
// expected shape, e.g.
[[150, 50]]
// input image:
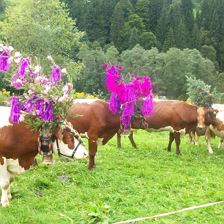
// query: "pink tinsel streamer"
[[114, 104], [124, 95], [147, 106], [126, 116]]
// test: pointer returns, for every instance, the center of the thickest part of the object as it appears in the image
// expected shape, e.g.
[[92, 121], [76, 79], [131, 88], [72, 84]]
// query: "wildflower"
[[17, 54], [24, 63], [4, 61], [37, 69], [55, 74], [15, 109], [64, 71]]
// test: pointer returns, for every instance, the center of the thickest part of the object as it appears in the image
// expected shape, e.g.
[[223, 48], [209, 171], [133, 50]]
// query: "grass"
[[125, 184]]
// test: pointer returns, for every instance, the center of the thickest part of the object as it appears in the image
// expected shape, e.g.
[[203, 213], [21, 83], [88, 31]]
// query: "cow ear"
[[58, 133]]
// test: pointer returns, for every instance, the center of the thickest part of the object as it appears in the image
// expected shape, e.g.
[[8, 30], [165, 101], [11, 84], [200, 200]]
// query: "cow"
[[215, 129], [93, 117], [19, 146], [177, 117]]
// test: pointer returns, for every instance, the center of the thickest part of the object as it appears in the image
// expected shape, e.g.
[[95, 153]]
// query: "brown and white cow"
[[96, 120], [176, 117], [19, 146], [215, 129]]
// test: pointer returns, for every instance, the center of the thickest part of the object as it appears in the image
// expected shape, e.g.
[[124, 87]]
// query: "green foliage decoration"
[[200, 93]]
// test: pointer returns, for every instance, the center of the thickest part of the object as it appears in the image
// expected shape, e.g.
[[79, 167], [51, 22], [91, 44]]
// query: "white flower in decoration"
[[30, 91], [64, 71], [63, 98], [50, 58], [47, 88], [10, 48], [65, 89], [37, 69], [17, 60], [17, 54]]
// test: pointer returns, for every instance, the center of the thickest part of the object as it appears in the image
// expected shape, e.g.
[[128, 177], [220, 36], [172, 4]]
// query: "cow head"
[[46, 146], [139, 123], [69, 144], [206, 116]]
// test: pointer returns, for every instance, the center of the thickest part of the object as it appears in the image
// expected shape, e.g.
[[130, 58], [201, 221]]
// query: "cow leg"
[[132, 140], [118, 140], [196, 138], [208, 140], [171, 138], [92, 153], [191, 138], [177, 140], [220, 143], [4, 184], [9, 190]]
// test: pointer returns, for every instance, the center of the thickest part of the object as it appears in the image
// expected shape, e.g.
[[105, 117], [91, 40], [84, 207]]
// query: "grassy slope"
[[126, 184]]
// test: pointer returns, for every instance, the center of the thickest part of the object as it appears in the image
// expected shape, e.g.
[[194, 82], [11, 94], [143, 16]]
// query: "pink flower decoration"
[[55, 74], [4, 61], [24, 64], [125, 95]]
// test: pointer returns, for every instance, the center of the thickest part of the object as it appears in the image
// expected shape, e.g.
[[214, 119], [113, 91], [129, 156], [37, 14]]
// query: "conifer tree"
[[121, 14], [196, 37], [169, 41]]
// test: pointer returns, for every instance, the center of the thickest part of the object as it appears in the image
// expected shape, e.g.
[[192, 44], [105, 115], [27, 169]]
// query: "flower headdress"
[[124, 96], [45, 101]]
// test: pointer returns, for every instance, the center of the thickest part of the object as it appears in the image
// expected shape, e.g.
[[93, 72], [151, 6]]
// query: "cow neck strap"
[[73, 153]]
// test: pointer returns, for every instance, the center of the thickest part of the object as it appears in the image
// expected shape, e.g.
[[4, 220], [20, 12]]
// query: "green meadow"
[[127, 183]]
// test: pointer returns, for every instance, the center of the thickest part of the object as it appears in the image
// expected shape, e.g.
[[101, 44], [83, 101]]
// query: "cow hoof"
[[5, 204], [210, 152], [90, 168]]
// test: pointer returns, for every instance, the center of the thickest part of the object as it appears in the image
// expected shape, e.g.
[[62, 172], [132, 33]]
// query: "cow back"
[[176, 114]]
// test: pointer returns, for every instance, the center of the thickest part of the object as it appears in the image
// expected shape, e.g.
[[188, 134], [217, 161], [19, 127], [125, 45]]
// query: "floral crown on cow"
[[45, 100]]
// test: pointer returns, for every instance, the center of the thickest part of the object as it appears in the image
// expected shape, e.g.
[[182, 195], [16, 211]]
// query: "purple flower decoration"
[[39, 106], [47, 113], [115, 103], [4, 61], [37, 99], [112, 78], [41, 80], [15, 110], [126, 116], [124, 95], [24, 63], [33, 75], [55, 74], [28, 106], [147, 106], [16, 82]]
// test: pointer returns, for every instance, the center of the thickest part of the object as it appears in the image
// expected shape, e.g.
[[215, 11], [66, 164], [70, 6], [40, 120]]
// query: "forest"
[[178, 43]]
